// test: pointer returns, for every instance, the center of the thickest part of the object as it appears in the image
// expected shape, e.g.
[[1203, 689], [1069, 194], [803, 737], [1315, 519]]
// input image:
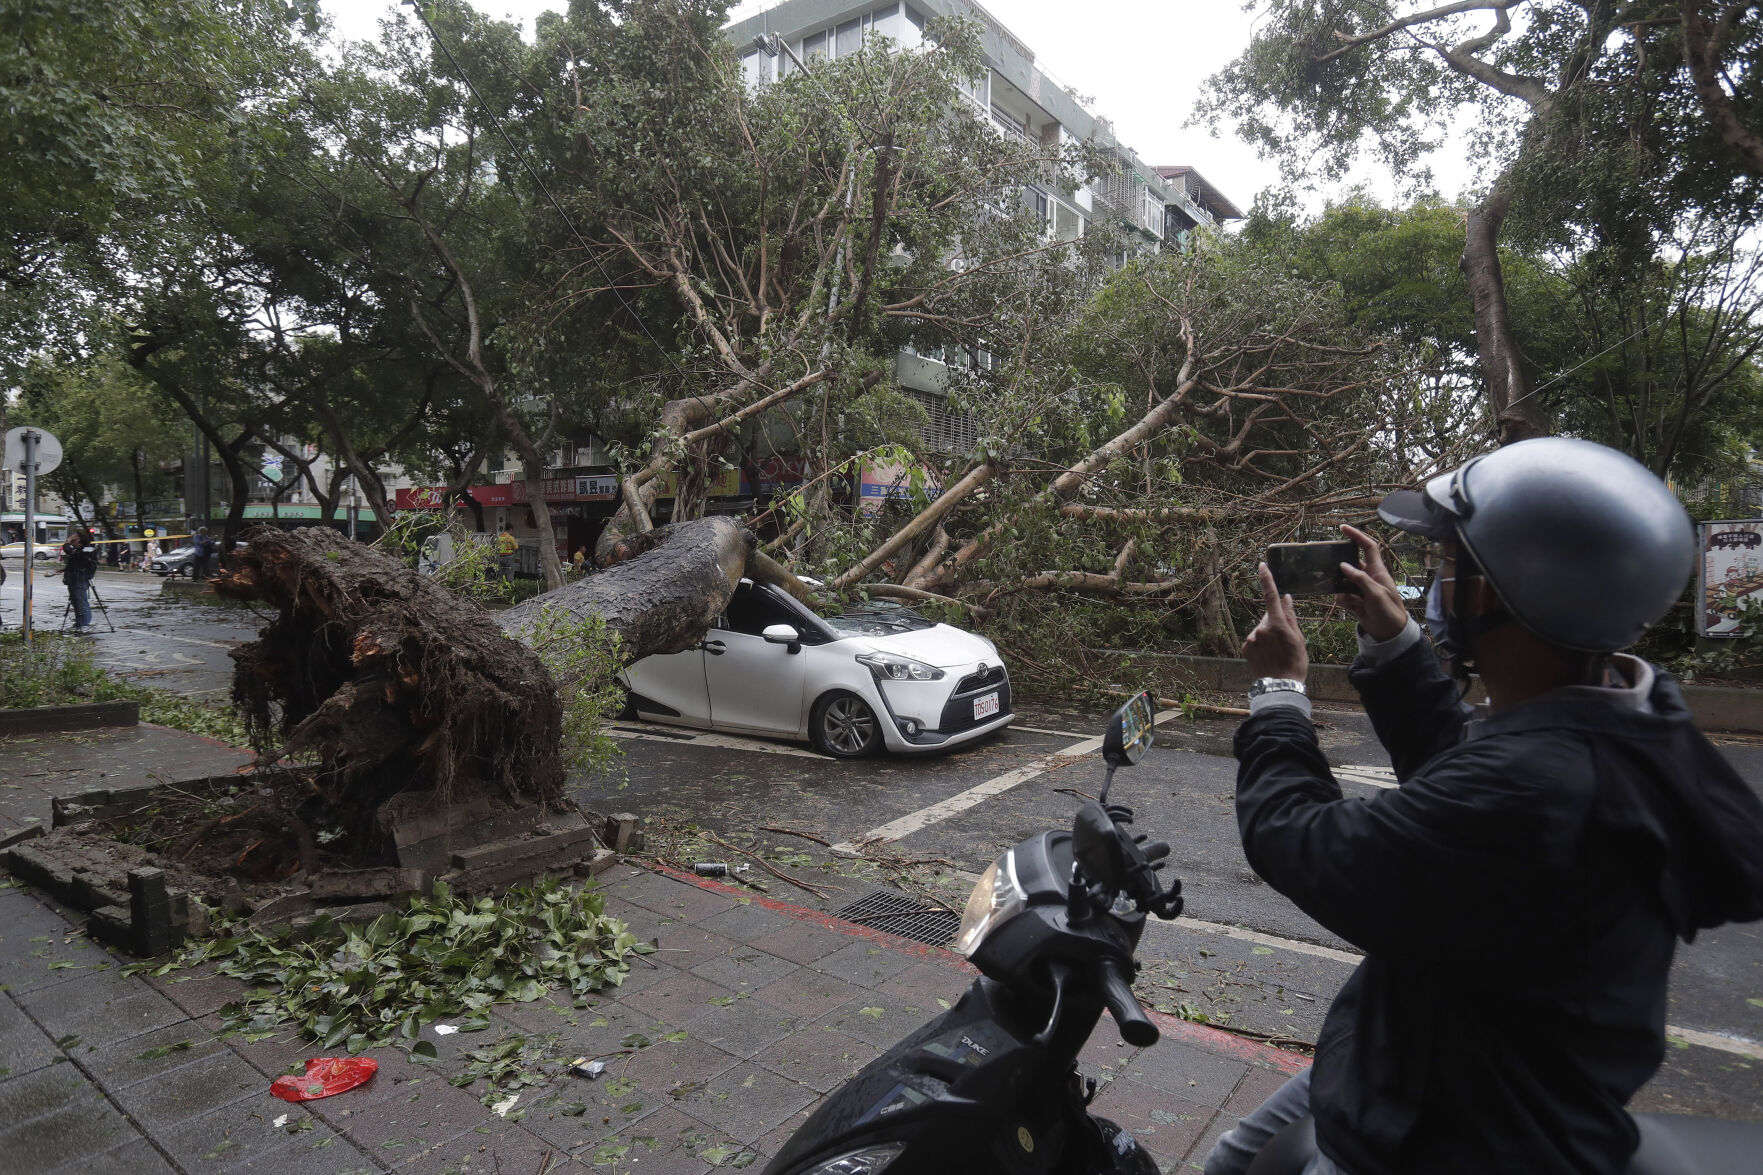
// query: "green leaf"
[[424, 1048], [165, 1050]]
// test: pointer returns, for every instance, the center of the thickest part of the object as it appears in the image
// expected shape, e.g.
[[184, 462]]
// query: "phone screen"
[[1311, 569]]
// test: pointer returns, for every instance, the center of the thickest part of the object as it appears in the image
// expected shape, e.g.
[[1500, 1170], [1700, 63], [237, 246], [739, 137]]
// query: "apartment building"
[[1149, 208]]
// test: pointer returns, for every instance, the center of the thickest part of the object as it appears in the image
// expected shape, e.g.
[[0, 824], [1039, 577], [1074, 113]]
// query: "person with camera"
[[1520, 895], [79, 565]]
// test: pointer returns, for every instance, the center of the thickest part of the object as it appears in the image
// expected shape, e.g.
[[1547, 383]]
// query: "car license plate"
[[987, 706]]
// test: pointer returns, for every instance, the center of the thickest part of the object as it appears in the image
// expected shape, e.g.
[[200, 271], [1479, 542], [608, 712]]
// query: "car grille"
[[980, 680], [958, 711]]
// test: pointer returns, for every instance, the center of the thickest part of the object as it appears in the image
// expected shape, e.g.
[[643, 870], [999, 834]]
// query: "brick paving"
[[749, 1013]]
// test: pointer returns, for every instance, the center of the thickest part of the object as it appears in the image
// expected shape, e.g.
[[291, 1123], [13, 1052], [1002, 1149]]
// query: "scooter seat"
[[1671, 1144]]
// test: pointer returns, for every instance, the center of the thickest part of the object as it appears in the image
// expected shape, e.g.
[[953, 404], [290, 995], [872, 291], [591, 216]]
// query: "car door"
[[674, 681], [754, 685]]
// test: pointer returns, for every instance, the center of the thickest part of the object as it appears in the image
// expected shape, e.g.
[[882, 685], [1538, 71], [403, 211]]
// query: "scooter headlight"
[[997, 898], [871, 1160]]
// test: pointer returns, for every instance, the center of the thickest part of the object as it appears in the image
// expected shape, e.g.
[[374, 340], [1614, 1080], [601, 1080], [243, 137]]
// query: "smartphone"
[[1312, 569]]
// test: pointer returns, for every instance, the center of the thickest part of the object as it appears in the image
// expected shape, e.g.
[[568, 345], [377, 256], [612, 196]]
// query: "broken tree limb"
[[930, 516], [891, 591], [662, 598]]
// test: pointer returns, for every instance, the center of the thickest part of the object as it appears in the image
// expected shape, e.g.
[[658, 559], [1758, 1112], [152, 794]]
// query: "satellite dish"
[[48, 450]]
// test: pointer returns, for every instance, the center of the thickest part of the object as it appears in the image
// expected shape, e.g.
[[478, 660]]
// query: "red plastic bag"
[[324, 1077]]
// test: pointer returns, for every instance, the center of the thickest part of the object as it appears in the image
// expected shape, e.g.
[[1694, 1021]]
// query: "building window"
[[756, 69], [1035, 201], [814, 48], [850, 38], [1067, 224]]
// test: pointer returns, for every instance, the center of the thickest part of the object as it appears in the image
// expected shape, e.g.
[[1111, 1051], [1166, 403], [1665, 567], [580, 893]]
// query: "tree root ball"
[[388, 682]]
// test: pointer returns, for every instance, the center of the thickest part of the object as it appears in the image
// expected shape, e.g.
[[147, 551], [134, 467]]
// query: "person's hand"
[[1377, 605], [1276, 647]]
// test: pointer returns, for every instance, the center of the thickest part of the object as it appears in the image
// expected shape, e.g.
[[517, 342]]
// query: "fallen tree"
[[380, 682]]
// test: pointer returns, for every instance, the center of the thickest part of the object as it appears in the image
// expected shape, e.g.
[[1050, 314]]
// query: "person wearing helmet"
[[1519, 896]]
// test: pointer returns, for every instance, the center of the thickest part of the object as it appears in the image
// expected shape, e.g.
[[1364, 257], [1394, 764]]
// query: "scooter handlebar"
[[1135, 1028]]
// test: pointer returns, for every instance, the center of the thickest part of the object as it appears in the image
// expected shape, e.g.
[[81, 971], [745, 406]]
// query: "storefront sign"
[[1730, 574], [889, 480], [430, 497]]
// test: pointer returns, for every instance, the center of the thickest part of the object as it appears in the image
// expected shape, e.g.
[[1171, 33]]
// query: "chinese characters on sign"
[[1730, 574]]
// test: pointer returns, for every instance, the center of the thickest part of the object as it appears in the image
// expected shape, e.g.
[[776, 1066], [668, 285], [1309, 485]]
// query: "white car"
[[878, 676]]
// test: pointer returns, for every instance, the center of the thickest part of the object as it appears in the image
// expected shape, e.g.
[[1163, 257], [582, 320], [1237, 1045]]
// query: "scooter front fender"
[[969, 1092]]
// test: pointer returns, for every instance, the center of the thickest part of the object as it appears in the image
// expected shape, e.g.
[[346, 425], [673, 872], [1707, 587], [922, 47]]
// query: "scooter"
[[992, 1085]]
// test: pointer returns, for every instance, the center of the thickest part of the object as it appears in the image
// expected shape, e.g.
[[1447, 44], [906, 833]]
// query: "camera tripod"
[[91, 586]]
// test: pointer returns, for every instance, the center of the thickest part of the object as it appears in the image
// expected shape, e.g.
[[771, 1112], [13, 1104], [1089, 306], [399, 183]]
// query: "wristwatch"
[[1268, 685]]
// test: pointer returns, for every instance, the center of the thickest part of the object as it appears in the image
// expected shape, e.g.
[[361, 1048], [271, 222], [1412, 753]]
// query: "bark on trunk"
[[661, 597], [1701, 53], [1517, 415]]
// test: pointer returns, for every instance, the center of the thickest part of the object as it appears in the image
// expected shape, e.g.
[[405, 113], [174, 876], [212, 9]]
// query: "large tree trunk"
[[667, 588], [1517, 415]]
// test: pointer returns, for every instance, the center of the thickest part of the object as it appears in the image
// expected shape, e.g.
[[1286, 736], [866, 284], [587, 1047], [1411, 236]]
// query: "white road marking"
[[1371, 776], [962, 801], [1267, 940], [685, 736], [1717, 1040], [1044, 730], [185, 639]]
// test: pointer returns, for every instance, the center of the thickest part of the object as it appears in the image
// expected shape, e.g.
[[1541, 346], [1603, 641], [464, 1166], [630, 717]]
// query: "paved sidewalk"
[[751, 1011]]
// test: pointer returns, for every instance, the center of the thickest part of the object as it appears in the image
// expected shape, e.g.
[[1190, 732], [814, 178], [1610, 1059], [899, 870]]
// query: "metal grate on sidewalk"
[[883, 909]]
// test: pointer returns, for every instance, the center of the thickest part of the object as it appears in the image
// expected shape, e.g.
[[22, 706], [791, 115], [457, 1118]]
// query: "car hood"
[[941, 646]]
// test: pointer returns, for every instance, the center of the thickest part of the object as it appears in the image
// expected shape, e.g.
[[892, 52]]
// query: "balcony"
[[1011, 128]]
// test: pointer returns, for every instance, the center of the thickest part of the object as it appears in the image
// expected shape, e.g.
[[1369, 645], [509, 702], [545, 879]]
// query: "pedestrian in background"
[[150, 554], [204, 551], [80, 565]]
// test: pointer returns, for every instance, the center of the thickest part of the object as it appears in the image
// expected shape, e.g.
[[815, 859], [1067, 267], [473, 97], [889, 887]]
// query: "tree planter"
[[86, 716]]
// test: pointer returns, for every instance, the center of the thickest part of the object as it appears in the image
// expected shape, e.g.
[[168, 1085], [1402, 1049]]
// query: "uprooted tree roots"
[[371, 681], [384, 683]]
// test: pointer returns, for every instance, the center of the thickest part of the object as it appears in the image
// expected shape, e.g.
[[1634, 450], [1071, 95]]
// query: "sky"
[[1143, 64]]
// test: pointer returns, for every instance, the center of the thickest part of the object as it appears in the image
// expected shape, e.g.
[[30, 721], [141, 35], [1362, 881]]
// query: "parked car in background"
[[876, 676], [179, 562]]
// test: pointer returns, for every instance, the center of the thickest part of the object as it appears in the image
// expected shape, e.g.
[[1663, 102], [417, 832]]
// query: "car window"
[[751, 611], [877, 618]]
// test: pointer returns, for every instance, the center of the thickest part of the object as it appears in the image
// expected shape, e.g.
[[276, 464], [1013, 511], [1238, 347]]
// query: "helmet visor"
[[1417, 513]]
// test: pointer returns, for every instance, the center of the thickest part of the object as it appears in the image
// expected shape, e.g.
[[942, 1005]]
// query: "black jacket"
[[1518, 898], [82, 565]]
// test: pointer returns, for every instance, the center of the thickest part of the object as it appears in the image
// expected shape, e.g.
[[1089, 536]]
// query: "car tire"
[[844, 726]]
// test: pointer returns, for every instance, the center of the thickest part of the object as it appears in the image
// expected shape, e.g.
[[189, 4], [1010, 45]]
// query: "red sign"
[[429, 497]]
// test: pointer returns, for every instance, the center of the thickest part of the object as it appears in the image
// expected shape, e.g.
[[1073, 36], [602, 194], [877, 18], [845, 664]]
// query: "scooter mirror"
[[1130, 732]]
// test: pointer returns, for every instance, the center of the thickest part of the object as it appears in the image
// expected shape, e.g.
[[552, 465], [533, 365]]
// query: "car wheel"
[[843, 726]]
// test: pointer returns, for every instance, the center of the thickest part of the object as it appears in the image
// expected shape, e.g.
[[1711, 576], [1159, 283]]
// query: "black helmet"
[[1585, 547]]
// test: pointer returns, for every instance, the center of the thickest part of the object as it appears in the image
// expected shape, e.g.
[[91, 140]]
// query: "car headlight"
[[871, 1160], [893, 667], [997, 898]]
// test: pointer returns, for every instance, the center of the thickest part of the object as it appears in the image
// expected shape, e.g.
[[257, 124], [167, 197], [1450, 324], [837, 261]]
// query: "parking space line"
[[1370, 776], [186, 640], [1044, 730], [961, 801], [679, 736], [1717, 1040]]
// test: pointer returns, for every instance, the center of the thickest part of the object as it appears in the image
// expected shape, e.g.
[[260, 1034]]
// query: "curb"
[[55, 719], [1173, 1028]]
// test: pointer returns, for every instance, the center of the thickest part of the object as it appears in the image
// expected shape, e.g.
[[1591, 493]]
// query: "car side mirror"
[[783, 634]]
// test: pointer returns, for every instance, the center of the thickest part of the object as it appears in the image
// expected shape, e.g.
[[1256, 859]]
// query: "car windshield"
[[878, 618]]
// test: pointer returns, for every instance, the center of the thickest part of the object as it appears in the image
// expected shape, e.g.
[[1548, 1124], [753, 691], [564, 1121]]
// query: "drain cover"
[[898, 914]]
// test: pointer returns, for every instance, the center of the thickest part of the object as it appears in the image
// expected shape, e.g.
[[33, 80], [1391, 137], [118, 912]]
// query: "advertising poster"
[[1731, 572]]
